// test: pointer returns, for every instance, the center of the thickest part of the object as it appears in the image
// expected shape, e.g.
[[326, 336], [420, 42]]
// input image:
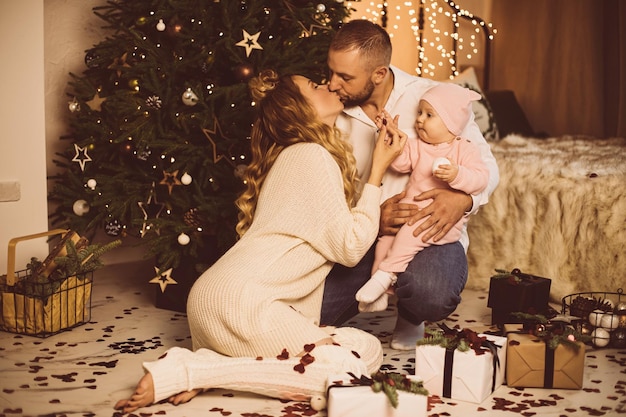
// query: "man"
[[360, 72]]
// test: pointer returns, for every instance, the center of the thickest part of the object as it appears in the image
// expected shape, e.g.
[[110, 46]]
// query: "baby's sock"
[[380, 304], [376, 286], [406, 334]]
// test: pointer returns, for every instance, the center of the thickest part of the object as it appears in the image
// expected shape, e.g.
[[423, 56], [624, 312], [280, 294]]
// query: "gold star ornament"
[[81, 156], [208, 133], [170, 179], [250, 42], [96, 102], [163, 279]]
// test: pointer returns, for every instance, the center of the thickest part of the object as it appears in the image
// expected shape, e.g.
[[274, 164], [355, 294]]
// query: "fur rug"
[[559, 212]]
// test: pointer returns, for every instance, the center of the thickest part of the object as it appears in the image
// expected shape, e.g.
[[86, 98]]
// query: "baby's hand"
[[446, 172]]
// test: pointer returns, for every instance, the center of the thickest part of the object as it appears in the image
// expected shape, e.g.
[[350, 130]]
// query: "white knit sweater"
[[264, 295]]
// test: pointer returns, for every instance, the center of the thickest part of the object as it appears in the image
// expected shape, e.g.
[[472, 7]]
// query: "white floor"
[[83, 372]]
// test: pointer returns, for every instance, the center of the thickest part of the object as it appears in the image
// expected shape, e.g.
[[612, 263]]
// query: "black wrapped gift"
[[515, 291]]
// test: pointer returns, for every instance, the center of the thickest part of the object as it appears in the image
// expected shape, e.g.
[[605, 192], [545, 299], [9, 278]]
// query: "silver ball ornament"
[[160, 26], [80, 207], [600, 337], [321, 8], [618, 338], [609, 321], [186, 179], [595, 317], [585, 328], [318, 402], [74, 106], [91, 183], [189, 97], [183, 239]]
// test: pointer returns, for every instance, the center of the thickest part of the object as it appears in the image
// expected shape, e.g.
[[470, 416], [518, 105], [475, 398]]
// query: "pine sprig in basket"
[[81, 258]]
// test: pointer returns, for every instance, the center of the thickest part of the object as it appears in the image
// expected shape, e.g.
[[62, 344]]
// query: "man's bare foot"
[[142, 397], [184, 397]]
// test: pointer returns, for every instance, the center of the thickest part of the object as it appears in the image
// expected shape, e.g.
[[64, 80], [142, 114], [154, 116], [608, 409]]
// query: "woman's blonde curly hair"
[[285, 117]]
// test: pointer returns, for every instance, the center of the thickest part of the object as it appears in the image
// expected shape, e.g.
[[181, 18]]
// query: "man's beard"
[[361, 97]]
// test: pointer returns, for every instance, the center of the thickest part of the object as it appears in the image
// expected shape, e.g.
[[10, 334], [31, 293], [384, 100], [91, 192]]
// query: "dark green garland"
[[553, 333], [461, 340], [390, 383]]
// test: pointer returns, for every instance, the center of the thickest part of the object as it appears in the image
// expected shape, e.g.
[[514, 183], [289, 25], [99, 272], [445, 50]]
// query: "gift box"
[[465, 376], [517, 292], [44, 306], [348, 396], [532, 363]]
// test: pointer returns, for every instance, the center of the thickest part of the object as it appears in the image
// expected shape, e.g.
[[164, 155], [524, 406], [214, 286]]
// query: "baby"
[[437, 158]]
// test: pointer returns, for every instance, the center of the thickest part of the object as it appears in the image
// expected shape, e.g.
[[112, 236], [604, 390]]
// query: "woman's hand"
[[389, 145]]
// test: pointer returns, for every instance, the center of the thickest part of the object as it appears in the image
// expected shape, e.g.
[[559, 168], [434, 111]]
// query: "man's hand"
[[446, 209], [394, 214]]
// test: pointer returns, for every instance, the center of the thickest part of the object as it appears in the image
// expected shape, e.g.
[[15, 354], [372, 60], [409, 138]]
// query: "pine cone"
[[604, 305], [582, 306], [192, 218]]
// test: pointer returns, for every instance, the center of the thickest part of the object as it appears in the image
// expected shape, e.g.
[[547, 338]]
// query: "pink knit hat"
[[453, 104]]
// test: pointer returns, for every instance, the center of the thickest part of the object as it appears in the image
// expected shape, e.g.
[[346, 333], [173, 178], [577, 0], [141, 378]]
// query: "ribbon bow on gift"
[[479, 344]]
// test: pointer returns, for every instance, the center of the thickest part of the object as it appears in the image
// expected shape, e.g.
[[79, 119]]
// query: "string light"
[[435, 25]]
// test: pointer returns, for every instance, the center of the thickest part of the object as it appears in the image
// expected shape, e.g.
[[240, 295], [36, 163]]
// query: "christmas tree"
[[161, 116]]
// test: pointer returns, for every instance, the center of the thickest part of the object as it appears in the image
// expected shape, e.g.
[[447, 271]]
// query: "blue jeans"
[[429, 289]]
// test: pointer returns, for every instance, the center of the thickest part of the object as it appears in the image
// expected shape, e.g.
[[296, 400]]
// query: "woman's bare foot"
[[142, 397], [184, 397]]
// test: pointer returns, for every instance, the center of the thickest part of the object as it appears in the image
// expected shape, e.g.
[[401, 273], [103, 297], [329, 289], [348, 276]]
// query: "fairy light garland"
[[435, 24]]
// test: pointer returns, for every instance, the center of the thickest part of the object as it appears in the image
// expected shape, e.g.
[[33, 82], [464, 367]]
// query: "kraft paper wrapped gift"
[[517, 292], [463, 376], [532, 364], [348, 396]]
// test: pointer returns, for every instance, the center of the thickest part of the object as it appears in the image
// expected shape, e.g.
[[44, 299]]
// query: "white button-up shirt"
[[404, 99]]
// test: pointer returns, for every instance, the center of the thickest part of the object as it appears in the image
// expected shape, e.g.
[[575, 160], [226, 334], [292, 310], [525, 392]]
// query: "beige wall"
[[22, 148], [71, 28]]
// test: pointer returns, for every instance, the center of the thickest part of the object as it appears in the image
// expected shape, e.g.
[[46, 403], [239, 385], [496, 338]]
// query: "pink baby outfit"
[[453, 104]]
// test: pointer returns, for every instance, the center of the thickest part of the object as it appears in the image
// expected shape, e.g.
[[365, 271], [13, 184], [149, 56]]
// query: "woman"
[[253, 314]]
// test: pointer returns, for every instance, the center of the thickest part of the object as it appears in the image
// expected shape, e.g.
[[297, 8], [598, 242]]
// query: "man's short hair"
[[370, 39]]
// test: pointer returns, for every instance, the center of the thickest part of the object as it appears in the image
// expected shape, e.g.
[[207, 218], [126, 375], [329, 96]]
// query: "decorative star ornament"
[[96, 102], [312, 30], [250, 42], [306, 33], [151, 210], [170, 179], [208, 132], [119, 63], [163, 278], [81, 156]]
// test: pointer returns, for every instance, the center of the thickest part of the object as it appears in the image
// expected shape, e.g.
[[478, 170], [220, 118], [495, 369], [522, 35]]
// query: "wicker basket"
[[42, 309]]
